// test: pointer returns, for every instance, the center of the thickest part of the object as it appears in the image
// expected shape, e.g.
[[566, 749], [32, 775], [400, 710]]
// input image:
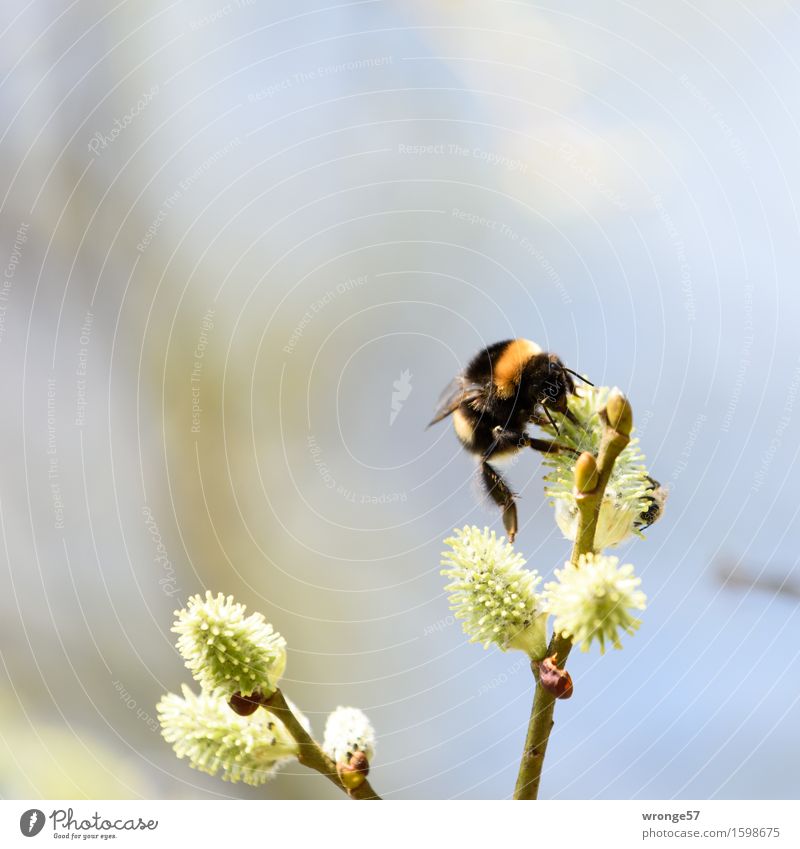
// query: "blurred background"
[[245, 244]]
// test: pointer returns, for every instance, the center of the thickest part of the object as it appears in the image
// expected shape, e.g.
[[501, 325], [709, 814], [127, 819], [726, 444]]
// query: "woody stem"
[[617, 423], [310, 753]]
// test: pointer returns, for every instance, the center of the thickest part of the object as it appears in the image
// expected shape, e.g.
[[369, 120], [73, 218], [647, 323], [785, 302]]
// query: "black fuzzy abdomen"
[[476, 429]]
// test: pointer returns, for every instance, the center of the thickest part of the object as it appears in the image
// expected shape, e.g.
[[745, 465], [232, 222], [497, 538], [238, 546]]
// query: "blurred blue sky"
[[323, 197]]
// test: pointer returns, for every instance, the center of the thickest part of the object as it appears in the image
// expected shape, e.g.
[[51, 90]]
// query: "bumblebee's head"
[[556, 385]]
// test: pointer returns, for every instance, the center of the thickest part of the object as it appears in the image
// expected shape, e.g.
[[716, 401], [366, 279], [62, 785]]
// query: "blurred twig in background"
[[730, 574]]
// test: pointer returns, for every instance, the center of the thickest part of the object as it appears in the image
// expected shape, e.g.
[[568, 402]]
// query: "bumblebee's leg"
[[547, 446], [502, 496], [507, 439], [504, 441], [542, 421]]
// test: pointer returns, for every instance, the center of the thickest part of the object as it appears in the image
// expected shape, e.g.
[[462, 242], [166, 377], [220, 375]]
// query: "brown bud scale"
[[354, 773], [554, 679], [245, 705]]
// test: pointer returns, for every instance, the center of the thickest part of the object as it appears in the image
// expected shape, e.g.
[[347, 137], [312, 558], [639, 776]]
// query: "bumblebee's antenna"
[[579, 376]]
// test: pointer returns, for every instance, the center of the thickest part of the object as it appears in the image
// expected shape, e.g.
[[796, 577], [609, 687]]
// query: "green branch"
[[591, 479], [310, 753]]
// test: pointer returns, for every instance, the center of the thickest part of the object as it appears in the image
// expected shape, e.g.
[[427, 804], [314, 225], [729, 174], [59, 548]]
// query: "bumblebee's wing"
[[456, 393]]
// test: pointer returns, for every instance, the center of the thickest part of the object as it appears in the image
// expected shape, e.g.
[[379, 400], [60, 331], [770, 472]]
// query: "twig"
[[591, 479], [729, 575], [310, 753]]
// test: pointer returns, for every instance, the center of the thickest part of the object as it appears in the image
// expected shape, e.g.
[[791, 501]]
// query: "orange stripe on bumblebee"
[[509, 365]]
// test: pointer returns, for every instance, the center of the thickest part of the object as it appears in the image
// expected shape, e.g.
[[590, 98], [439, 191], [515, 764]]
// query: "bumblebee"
[[655, 499], [506, 387]]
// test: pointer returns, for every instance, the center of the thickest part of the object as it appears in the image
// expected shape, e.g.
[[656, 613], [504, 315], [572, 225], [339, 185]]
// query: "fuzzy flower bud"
[[630, 496], [492, 592], [593, 600], [348, 731], [212, 737], [226, 651], [585, 472], [618, 412]]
